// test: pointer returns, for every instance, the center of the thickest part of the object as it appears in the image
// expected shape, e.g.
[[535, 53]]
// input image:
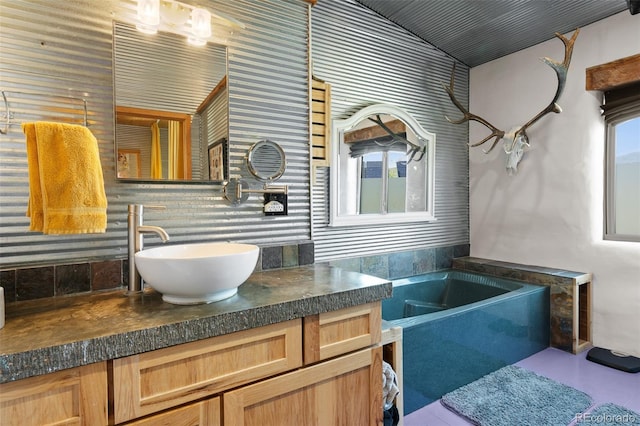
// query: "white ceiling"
[[478, 31]]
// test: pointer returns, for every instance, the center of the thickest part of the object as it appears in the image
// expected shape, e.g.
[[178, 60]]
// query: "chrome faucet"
[[136, 231]]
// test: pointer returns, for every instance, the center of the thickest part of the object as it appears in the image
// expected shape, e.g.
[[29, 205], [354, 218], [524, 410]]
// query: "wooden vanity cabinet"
[[341, 383], [76, 396], [323, 369]]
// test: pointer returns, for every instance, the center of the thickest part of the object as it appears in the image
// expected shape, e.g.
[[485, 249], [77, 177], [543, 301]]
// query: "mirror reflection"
[[148, 136], [171, 107], [266, 160], [382, 170]]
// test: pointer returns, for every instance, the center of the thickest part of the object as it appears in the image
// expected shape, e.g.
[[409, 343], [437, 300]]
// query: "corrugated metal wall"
[[368, 59], [65, 48]]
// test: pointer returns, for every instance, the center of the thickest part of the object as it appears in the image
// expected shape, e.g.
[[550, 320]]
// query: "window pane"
[[397, 173], [417, 187], [626, 191], [371, 183]]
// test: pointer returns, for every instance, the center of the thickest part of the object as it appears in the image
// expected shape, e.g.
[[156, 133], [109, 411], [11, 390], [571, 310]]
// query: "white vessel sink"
[[188, 274]]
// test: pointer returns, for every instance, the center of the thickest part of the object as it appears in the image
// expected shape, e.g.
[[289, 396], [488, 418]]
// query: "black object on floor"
[[617, 360]]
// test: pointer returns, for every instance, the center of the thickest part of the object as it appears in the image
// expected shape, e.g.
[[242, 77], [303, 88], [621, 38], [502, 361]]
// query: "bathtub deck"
[[603, 384]]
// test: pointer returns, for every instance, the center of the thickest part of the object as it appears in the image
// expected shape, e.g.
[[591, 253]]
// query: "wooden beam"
[[374, 131], [613, 74]]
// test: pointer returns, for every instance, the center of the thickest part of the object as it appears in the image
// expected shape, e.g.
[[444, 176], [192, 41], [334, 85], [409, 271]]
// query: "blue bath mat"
[[515, 396], [609, 415]]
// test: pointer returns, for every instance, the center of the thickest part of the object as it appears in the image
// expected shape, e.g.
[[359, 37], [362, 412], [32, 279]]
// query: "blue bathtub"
[[459, 326]]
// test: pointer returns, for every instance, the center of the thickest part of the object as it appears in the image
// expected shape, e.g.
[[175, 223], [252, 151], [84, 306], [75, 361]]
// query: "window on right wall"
[[621, 111]]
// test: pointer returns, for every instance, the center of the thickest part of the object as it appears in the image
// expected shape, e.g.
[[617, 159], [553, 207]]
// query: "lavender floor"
[[603, 384]]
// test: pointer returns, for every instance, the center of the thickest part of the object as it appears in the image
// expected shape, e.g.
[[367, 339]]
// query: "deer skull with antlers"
[[516, 140]]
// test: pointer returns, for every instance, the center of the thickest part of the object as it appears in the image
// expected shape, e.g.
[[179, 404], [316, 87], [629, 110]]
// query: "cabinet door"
[[154, 381], [203, 413], [338, 332], [344, 391], [77, 396]]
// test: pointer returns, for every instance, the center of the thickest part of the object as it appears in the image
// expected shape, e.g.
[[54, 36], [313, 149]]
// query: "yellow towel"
[[66, 186]]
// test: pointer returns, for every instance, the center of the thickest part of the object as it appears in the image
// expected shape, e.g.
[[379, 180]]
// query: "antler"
[[561, 69], [495, 132], [414, 148]]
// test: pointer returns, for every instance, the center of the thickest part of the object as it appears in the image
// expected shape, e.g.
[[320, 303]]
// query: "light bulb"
[[175, 14], [200, 27], [148, 16]]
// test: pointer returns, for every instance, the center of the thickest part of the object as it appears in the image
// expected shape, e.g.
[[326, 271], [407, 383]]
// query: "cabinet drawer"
[[165, 378], [344, 391], [338, 332], [203, 413], [77, 396]]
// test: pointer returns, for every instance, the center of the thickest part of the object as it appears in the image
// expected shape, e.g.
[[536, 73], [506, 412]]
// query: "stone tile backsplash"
[[59, 280], [405, 263]]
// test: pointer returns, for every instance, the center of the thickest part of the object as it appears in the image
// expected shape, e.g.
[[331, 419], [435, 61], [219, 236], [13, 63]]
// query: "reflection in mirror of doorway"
[[160, 140]]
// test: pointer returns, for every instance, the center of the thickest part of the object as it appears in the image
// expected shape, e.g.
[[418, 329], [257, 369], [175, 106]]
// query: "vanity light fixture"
[[176, 17], [148, 16], [200, 27]]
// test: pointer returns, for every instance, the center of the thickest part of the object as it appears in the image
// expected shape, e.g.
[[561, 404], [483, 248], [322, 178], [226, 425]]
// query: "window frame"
[[340, 180], [630, 111]]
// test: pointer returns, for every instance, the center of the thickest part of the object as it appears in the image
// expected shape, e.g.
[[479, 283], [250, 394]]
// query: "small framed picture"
[[217, 159], [129, 163]]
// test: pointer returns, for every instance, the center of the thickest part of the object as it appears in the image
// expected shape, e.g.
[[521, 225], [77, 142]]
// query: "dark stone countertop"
[[47, 335]]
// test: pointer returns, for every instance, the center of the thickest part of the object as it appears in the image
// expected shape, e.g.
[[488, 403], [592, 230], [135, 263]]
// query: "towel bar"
[[9, 115]]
